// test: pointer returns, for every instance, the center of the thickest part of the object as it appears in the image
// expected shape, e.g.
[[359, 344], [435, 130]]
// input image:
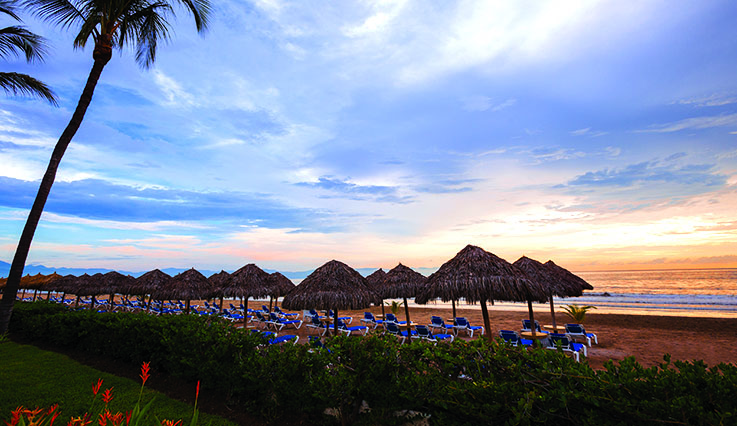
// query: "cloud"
[[650, 173], [101, 200], [695, 123], [480, 103], [342, 188], [555, 154], [709, 101], [588, 132]]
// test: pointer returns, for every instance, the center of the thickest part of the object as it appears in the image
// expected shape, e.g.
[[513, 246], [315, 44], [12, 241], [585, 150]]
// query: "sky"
[[599, 134]]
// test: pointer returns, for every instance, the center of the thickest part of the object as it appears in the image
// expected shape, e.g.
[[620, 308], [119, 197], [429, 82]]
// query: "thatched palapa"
[[375, 281], [220, 281], [478, 276], [189, 285], [248, 281], [150, 282], [557, 281], [335, 286], [402, 282], [279, 286]]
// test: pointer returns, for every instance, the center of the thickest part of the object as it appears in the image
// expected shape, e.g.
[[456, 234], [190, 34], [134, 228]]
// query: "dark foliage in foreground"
[[464, 383]]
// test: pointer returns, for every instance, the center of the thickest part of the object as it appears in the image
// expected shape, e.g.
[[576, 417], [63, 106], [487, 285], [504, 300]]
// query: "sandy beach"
[[645, 337]]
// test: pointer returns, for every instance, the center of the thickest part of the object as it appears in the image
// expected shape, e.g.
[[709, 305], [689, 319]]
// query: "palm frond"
[[7, 7], [200, 10], [23, 84], [62, 13], [14, 40]]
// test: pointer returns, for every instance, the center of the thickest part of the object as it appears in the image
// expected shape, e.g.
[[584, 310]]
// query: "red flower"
[[16, 416], [51, 423], [197, 395], [102, 420], [107, 396], [128, 417], [171, 422], [80, 421], [144, 372], [96, 387]]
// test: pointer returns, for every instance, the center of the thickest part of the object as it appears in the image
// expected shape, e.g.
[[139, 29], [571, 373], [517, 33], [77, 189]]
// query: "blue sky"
[[600, 134]]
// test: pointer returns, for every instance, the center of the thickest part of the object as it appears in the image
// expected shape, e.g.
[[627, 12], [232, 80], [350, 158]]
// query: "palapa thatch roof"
[[189, 285], [401, 282], [115, 282], [570, 276], [150, 282], [89, 285], [248, 281], [220, 280], [553, 279], [279, 285], [477, 275], [69, 283], [334, 285], [376, 278], [48, 283]]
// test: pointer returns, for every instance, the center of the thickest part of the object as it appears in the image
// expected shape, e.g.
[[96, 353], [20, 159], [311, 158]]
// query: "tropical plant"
[[110, 24], [577, 313], [394, 306], [18, 41]]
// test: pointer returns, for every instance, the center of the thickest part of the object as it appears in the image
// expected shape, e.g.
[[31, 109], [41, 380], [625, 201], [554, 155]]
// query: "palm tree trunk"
[[101, 56]]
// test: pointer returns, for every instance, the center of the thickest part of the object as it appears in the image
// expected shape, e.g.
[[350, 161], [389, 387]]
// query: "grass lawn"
[[32, 377]]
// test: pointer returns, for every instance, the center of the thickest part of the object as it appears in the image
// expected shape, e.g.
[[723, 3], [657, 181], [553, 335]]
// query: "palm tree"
[[17, 41], [109, 24]]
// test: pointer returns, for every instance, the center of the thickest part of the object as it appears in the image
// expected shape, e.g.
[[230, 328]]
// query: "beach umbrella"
[[114, 282], [375, 280], [66, 284], [279, 285], [89, 285], [188, 285], [557, 281], [148, 283], [402, 282], [480, 276], [220, 281], [48, 284], [248, 281], [333, 285]]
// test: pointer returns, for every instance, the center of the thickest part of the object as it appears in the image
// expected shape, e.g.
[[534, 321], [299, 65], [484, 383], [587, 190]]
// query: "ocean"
[[677, 292]]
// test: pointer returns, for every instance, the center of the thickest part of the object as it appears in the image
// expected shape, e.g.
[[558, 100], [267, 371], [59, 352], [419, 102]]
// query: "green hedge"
[[463, 383]]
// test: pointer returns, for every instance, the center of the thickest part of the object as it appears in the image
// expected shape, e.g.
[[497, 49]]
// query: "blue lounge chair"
[[314, 314], [556, 341], [331, 314], [368, 318], [438, 323], [260, 319], [513, 338], [285, 338], [461, 323], [393, 318], [281, 323], [424, 333], [348, 330], [317, 325], [265, 309], [577, 330], [393, 328], [526, 326], [288, 315]]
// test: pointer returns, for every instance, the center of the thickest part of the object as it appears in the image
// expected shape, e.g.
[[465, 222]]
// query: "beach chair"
[[513, 338], [526, 326], [317, 325], [265, 309], [438, 323], [313, 314], [260, 319], [461, 323], [348, 330], [281, 323], [331, 314], [393, 328], [577, 330], [368, 318], [424, 333], [316, 344], [561, 341], [232, 315], [288, 315], [285, 338], [393, 318]]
